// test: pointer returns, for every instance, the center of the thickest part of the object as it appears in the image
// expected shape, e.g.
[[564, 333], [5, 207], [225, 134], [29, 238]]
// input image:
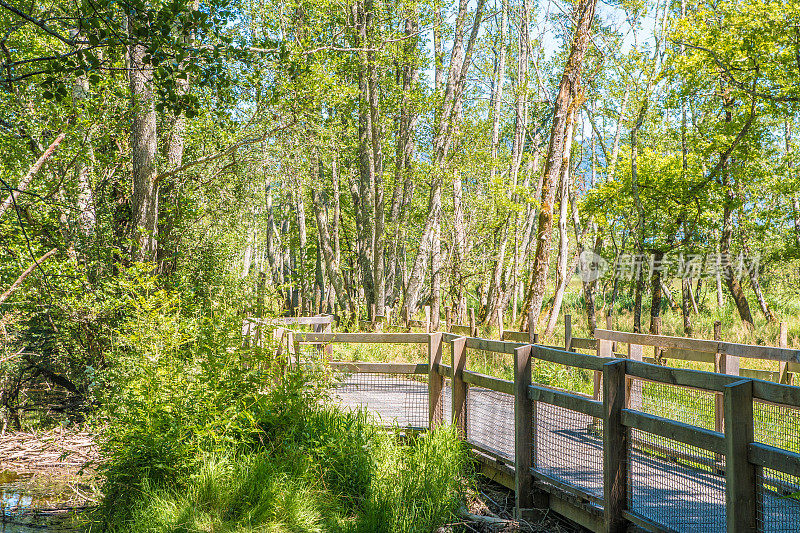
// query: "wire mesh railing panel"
[[490, 421], [777, 425], [778, 508], [397, 399], [569, 447], [675, 485], [690, 406]]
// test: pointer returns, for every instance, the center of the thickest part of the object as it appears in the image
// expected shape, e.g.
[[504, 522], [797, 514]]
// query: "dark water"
[[31, 504]]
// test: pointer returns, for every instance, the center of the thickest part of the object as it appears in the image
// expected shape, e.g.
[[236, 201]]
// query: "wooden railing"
[[745, 459]]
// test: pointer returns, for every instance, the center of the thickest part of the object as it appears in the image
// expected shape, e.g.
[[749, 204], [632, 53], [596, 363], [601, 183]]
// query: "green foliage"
[[329, 471], [175, 386]]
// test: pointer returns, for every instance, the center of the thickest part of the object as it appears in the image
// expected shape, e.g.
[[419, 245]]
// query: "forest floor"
[[46, 478], [491, 510]]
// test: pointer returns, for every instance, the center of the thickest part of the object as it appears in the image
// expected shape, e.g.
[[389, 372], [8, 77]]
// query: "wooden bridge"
[[655, 449]]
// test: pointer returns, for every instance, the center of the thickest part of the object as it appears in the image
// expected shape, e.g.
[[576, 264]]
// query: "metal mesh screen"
[[676, 485], [690, 406], [779, 426], [778, 501], [397, 399], [569, 447], [563, 377], [490, 421]]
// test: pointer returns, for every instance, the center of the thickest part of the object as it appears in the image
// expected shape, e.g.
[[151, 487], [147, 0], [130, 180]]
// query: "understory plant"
[[197, 434]]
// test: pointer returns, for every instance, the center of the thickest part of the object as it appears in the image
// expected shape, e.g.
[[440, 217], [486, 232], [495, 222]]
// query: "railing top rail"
[[751, 351], [488, 345], [293, 320], [662, 341], [762, 390], [364, 338]]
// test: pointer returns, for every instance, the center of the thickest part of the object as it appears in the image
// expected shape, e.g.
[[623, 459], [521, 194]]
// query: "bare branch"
[[26, 273], [23, 183]]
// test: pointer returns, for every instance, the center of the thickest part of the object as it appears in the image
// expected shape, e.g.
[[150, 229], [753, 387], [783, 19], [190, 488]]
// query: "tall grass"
[[339, 474]]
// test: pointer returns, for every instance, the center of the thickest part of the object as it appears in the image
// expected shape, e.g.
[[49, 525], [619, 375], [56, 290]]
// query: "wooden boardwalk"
[[682, 496]]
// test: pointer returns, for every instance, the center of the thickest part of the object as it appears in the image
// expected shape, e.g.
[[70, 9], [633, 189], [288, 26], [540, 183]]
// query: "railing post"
[[523, 430], [473, 327], [459, 396], [435, 381], [634, 397], [615, 447], [329, 346], [783, 366], [603, 350], [740, 473], [568, 332]]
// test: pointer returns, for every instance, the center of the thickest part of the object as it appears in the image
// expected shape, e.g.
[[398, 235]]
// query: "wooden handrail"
[[749, 351]]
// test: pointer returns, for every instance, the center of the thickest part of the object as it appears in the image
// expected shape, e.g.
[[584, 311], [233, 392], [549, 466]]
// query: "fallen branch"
[[25, 181], [21, 278]]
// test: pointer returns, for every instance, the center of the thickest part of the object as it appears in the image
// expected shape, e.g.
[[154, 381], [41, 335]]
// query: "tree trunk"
[[563, 249], [728, 204], [566, 101], [408, 79], [331, 261], [612, 166], [656, 294], [686, 300], [144, 146], [497, 89], [459, 249], [364, 198], [640, 219], [460, 60]]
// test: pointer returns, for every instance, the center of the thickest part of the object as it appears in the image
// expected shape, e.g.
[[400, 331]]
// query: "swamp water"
[[34, 503]]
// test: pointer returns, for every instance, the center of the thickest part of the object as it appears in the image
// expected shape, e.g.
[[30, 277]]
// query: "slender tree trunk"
[[563, 249], [459, 248], [300, 213], [497, 89], [640, 219], [612, 166], [445, 123], [656, 294], [144, 146], [566, 101], [84, 164], [331, 261], [787, 137], [729, 201], [686, 301], [665, 290], [589, 290], [408, 79]]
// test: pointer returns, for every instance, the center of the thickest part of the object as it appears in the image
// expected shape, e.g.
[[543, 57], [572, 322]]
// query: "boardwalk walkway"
[[670, 484]]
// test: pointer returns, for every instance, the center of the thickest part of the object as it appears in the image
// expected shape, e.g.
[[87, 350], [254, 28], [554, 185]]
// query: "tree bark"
[[32, 171], [460, 60], [612, 166], [728, 204], [331, 261], [497, 89], [144, 146], [566, 100], [563, 249]]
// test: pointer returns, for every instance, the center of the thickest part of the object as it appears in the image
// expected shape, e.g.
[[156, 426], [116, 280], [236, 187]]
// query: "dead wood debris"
[[490, 509], [58, 449]]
